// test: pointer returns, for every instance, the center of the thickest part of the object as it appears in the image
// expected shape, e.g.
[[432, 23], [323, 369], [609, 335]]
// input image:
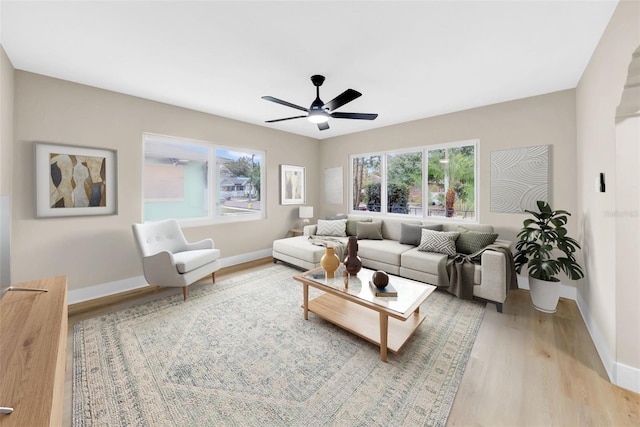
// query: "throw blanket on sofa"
[[332, 242], [460, 270]]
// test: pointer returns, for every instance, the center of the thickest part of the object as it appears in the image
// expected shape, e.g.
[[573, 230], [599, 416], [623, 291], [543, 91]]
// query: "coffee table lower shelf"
[[365, 322]]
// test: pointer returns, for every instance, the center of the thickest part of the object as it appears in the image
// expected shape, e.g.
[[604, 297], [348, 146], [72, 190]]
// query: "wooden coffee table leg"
[[305, 302], [384, 330]]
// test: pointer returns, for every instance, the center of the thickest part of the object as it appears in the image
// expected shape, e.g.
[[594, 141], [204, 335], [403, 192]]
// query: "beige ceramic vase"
[[330, 262]]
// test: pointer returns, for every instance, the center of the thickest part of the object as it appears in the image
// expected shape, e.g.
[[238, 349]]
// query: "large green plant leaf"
[[538, 241]]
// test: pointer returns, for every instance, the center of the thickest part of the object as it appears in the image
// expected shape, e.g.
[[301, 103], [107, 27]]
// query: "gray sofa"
[[406, 260]]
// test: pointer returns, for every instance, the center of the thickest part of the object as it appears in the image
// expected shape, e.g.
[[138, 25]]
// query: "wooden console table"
[[33, 343]]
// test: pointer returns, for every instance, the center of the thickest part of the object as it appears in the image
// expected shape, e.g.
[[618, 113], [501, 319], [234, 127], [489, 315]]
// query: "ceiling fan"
[[319, 112]]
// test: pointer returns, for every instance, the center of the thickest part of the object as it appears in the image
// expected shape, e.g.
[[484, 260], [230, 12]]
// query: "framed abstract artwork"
[[75, 181], [519, 178], [292, 185]]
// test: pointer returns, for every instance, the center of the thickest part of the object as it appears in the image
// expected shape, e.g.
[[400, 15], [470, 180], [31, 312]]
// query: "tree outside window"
[[366, 184]]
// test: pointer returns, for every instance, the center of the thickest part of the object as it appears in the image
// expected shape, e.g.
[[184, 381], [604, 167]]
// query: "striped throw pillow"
[[442, 242], [336, 228]]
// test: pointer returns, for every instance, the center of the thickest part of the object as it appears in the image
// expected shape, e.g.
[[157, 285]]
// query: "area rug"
[[239, 353]]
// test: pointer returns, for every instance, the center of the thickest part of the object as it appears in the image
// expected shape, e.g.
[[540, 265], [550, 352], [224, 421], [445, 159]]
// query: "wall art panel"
[[519, 178]]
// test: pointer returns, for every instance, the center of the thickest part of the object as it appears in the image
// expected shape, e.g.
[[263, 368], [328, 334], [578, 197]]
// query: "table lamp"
[[305, 212]]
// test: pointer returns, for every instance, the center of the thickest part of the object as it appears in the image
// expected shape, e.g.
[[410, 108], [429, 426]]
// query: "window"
[[427, 181], [366, 179], [404, 183], [178, 182]]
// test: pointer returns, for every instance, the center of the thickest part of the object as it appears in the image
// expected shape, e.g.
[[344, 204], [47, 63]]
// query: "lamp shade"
[[306, 212]]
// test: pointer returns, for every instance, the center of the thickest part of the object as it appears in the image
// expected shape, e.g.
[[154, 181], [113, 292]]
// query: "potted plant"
[[544, 247]]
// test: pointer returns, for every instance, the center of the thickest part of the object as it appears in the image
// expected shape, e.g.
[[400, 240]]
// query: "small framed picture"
[[75, 181], [292, 185]]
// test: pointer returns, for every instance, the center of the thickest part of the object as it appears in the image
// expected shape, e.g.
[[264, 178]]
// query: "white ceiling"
[[410, 60]]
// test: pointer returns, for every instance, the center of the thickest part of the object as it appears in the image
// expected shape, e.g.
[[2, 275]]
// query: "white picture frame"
[[75, 181], [292, 185]]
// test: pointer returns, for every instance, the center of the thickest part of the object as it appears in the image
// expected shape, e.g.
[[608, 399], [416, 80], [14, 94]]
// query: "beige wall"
[[100, 249], [608, 300], [541, 120]]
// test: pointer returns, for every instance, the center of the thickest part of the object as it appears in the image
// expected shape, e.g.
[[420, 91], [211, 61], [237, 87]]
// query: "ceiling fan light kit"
[[318, 117], [319, 112]]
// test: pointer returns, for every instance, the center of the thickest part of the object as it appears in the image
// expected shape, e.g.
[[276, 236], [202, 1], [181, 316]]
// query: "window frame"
[[213, 181], [425, 178]]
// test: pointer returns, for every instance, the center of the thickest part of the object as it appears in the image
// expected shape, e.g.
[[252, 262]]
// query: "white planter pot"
[[544, 295]]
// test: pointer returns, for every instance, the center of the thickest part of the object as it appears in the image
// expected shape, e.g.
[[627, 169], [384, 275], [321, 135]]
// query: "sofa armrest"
[[310, 230], [160, 269], [493, 282], [202, 244], [504, 243]]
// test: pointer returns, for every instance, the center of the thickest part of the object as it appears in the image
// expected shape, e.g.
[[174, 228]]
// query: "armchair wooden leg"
[[184, 292], [213, 277]]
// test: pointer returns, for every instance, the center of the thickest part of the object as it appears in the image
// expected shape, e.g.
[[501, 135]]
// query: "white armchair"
[[169, 260]]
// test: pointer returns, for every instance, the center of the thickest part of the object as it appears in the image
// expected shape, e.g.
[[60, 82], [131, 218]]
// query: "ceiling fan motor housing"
[[317, 80]]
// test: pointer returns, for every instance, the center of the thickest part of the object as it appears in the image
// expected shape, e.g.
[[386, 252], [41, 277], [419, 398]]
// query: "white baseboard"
[[627, 377], [132, 283], [619, 374], [598, 340], [568, 292]]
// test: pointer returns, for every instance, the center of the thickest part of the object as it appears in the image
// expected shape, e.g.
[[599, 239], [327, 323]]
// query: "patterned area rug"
[[240, 353]]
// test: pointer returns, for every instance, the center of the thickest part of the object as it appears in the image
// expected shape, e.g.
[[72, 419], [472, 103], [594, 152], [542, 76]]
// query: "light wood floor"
[[526, 368]]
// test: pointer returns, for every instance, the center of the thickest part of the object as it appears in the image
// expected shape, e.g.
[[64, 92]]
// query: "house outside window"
[[178, 182], [431, 181]]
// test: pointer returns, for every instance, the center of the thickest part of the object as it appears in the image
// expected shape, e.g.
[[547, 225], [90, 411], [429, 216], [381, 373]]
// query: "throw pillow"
[[369, 230], [442, 242], [351, 225], [471, 241], [410, 234], [337, 216], [335, 228]]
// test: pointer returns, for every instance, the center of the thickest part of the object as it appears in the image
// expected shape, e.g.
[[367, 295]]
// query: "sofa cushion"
[[385, 251], [335, 228], [411, 234], [470, 242], [443, 242], [428, 262], [190, 260], [391, 227], [300, 247], [369, 230], [352, 225]]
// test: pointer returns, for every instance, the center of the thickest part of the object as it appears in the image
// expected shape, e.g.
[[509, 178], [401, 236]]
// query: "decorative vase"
[[352, 262], [330, 262], [544, 294]]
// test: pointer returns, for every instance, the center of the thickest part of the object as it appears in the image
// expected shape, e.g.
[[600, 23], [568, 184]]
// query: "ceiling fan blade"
[[323, 126], [288, 104], [357, 116], [346, 96], [288, 118]]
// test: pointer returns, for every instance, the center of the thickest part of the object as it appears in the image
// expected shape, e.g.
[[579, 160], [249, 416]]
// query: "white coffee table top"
[[409, 291]]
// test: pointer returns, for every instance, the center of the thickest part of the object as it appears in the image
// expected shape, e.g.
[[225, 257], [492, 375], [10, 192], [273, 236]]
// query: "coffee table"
[[385, 321]]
